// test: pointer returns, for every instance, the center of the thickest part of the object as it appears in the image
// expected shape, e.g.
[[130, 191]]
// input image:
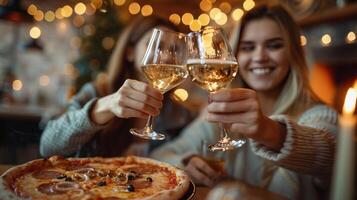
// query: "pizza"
[[95, 178]]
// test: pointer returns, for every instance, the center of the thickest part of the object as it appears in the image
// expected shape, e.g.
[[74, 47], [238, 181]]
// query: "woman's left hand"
[[239, 109]]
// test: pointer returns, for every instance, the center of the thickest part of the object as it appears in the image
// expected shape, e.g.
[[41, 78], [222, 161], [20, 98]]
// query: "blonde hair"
[[296, 94]]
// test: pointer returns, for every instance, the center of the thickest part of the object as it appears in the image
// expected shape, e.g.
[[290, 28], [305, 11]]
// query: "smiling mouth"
[[261, 71]]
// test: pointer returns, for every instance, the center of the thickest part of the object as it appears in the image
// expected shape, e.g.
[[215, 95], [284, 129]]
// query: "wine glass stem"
[[223, 131], [148, 126]]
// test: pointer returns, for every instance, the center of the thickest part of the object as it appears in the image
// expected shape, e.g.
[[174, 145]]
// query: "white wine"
[[212, 75], [164, 76]]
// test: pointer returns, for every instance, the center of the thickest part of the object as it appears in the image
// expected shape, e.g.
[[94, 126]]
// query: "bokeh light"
[[80, 8], [35, 32], [175, 18], [146, 10], [134, 8]]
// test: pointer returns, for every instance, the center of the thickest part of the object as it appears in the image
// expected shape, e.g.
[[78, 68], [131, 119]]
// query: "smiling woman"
[[291, 132]]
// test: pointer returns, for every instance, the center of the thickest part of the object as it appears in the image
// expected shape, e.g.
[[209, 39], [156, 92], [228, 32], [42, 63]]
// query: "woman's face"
[[262, 55]]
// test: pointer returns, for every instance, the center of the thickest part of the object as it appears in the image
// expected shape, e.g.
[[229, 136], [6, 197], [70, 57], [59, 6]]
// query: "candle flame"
[[350, 102]]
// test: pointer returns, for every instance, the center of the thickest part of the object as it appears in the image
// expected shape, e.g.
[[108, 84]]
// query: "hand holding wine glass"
[[164, 67], [212, 66]]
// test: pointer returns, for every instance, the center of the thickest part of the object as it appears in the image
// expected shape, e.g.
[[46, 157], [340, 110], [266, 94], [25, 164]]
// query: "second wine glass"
[[164, 67], [212, 66]]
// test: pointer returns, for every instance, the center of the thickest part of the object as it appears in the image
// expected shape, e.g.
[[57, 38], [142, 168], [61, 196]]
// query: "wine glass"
[[212, 66], [164, 65]]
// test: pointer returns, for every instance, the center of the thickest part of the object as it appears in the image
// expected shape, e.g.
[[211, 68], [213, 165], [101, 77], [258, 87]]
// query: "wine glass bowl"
[[164, 66], [212, 66]]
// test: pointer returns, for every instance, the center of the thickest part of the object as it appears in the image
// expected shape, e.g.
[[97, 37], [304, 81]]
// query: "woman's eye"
[[246, 48], [275, 45]]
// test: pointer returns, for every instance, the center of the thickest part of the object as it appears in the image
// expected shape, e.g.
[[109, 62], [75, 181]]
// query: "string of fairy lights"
[[211, 12]]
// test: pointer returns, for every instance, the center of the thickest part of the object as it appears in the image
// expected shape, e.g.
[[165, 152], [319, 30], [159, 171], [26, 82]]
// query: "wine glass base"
[[147, 133], [226, 146]]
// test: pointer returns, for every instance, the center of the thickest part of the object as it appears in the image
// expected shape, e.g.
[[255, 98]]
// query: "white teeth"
[[261, 71]]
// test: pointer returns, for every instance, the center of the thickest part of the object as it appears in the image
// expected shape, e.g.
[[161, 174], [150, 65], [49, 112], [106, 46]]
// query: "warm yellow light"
[[119, 2], [205, 5], [75, 42], [195, 25], [204, 19], [350, 37], [303, 40], [237, 14], [39, 15], [17, 85], [108, 43], [225, 7], [248, 4], [221, 18], [326, 39], [214, 12], [90, 9], [146, 10], [134, 8], [187, 18], [80, 8], [58, 13], [66, 11], [175, 18], [35, 32], [78, 21], [50, 16], [44, 80], [97, 3], [32, 9], [355, 85], [181, 94], [350, 102]]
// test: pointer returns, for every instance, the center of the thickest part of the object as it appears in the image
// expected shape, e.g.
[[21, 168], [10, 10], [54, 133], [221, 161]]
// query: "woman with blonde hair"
[[291, 133], [100, 115]]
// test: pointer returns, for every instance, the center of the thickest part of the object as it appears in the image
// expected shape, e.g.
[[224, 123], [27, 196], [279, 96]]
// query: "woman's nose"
[[260, 54]]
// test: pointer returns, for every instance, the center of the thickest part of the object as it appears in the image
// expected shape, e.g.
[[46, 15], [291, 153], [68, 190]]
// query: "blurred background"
[[49, 49]]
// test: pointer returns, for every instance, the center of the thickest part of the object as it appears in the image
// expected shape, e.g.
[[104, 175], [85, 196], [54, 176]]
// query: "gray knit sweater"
[[301, 168]]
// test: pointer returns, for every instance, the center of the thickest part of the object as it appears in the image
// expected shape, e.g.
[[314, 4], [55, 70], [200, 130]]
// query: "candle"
[[343, 178]]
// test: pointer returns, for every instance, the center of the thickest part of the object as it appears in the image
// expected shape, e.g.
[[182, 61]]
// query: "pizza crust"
[[8, 179]]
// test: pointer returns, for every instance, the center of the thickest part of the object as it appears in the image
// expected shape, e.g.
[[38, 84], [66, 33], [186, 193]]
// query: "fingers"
[[132, 104], [233, 106], [137, 96], [201, 172], [244, 118], [232, 94], [123, 112], [145, 88]]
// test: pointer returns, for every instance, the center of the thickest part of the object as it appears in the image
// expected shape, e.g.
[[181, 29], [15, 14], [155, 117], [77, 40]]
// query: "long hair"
[[296, 94], [119, 66], [115, 138]]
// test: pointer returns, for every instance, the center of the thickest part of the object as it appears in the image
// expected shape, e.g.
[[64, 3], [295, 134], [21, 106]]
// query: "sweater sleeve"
[[310, 143], [66, 134], [188, 143]]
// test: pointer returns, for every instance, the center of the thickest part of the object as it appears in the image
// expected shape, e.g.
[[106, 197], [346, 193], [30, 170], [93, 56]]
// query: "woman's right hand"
[[201, 173], [133, 99]]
